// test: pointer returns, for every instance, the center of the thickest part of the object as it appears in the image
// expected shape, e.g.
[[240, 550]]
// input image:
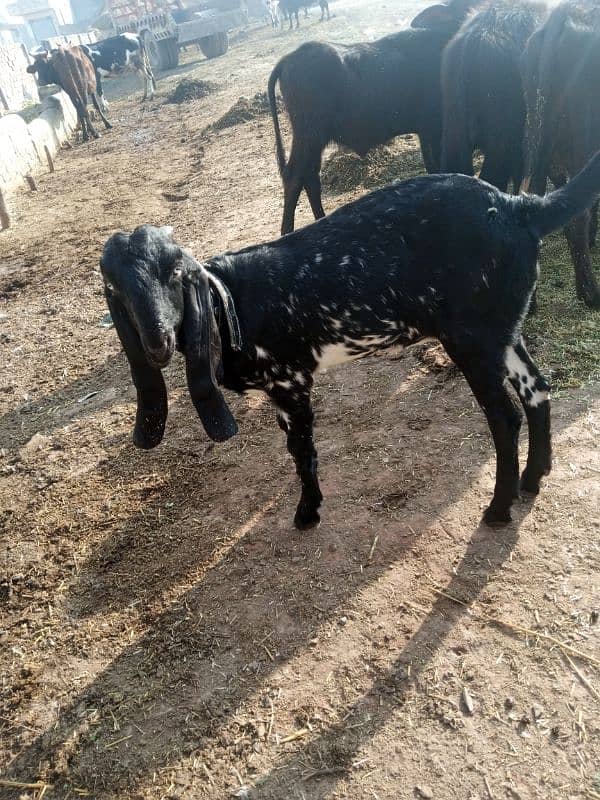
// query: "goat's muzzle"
[[160, 354]]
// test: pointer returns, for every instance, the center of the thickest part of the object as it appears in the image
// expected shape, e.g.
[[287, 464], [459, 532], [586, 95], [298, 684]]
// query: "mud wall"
[[26, 149]]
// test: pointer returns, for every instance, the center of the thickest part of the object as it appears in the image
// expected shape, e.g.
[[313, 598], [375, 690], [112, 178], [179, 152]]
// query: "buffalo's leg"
[[578, 238], [302, 170]]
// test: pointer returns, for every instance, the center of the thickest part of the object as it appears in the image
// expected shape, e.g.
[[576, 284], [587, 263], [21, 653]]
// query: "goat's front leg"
[[295, 417]]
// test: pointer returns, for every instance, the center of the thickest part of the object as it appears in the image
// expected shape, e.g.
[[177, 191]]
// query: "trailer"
[[166, 27]]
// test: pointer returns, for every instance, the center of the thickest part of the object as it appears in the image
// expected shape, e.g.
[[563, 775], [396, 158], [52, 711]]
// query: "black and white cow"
[[119, 53]]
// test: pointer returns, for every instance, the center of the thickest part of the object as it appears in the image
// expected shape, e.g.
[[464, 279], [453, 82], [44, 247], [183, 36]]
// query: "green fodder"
[[564, 334]]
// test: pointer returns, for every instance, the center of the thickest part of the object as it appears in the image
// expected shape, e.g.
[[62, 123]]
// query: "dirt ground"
[[165, 632]]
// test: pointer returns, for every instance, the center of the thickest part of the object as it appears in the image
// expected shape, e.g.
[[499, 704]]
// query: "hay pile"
[[344, 171], [245, 110], [190, 89]]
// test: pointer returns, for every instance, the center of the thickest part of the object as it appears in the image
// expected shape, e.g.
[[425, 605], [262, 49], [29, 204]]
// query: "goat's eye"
[[109, 287], [177, 272]]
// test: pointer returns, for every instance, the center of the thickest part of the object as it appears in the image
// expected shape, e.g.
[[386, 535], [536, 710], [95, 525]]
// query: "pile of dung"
[[245, 110], [344, 170], [190, 89]]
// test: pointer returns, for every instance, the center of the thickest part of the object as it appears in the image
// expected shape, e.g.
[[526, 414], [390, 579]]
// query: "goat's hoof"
[[529, 484], [148, 436], [306, 518], [495, 518]]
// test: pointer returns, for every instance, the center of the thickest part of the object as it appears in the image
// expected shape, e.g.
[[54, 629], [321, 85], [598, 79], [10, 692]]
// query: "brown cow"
[[72, 70]]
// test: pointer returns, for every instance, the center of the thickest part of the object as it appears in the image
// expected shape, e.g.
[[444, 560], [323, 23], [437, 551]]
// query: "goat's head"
[[159, 299]]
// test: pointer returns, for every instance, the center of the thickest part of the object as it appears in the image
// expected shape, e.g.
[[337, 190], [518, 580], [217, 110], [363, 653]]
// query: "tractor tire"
[[169, 53], [215, 45]]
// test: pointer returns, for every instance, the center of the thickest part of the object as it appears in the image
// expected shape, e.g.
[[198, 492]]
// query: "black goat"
[[482, 92], [360, 96], [561, 76], [443, 255]]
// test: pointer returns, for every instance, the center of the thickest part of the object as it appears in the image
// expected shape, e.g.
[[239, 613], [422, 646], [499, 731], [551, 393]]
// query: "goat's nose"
[[162, 352]]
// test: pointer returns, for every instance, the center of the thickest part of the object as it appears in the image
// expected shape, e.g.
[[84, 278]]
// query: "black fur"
[[445, 255], [359, 96], [482, 93], [125, 51], [561, 76]]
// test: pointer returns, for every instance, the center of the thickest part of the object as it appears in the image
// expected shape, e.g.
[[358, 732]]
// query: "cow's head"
[[42, 67]]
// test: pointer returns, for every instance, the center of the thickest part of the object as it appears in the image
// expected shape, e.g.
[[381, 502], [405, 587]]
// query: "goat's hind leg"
[[295, 417], [534, 391], [485, 373]]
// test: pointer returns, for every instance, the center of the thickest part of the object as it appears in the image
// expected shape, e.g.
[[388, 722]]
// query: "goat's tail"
[[274, 77], [547, 214]]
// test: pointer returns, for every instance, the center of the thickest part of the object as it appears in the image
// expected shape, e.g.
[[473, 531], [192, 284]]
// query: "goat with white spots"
[[444, 255]]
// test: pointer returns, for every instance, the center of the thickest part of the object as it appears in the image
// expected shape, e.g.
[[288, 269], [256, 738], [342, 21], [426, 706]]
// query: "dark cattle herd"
[[446, 255]]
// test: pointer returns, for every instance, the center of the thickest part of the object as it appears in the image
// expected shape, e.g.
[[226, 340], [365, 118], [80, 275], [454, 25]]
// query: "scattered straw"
[[372, 550], [319, 773], [566, 648], [19, 785], [582, 677], [244, 110], [296, 735], [118, 741]]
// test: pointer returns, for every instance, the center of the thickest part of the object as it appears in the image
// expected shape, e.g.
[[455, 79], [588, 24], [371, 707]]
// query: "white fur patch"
[[131, 37], [349, 350], [518, 370]]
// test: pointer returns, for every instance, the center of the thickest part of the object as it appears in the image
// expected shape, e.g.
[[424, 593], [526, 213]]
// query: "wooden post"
[[49, 157], [4, 215]]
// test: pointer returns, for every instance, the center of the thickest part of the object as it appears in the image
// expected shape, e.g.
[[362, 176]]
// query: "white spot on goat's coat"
[[518, 370], [331, 355]]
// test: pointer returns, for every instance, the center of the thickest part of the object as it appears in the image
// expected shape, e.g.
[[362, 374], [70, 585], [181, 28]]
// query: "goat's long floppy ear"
[[152, 403], [202, 349]]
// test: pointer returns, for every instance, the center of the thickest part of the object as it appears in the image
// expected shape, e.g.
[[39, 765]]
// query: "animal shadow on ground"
[[96, 389], [232, 570]]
